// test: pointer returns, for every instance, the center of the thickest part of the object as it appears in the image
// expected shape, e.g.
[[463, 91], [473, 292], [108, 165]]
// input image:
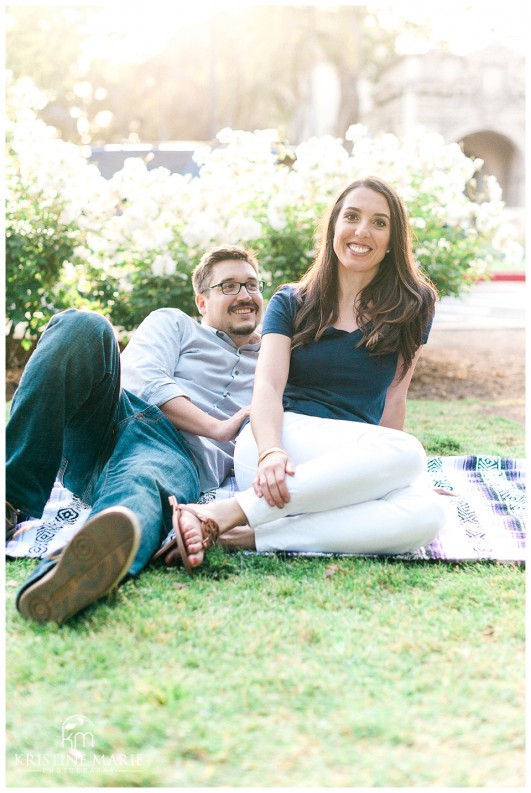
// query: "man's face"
[[237, 315]]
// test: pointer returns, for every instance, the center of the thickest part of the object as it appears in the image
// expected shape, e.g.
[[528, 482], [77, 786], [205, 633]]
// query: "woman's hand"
[[270, 482]]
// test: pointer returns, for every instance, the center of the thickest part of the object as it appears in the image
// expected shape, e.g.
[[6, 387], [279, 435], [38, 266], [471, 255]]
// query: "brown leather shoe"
[[13, 518], [90, 566]]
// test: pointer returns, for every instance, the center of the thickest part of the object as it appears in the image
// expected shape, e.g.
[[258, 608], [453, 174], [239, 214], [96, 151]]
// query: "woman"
[[325, 464]]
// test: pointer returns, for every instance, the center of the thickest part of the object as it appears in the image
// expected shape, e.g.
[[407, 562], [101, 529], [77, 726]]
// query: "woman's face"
[[363, 231]]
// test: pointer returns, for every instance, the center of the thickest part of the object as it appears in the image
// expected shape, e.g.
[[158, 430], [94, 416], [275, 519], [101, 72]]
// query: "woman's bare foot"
[[227, 514], [241, 538], [192, 534]]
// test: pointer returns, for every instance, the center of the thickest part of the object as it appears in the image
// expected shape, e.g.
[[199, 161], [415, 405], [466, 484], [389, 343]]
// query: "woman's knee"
[[413, 455]]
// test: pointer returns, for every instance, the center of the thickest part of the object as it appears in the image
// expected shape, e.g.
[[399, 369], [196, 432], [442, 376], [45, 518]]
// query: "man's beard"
[[244, 330], [245, 327]]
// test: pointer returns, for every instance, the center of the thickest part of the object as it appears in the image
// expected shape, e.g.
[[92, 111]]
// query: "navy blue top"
[[331, 378]]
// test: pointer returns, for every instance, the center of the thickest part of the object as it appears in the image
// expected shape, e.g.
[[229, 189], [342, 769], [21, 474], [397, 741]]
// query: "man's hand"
[[227, 429], [186, 416]]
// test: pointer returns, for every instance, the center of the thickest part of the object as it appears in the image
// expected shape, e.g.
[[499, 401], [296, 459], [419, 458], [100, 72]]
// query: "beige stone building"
[[477, 100]]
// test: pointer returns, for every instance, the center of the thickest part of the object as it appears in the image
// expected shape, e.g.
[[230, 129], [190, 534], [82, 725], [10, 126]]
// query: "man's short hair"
[[202, 274]]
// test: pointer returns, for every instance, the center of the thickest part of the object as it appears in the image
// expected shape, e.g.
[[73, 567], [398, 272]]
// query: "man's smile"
[[244, 310]]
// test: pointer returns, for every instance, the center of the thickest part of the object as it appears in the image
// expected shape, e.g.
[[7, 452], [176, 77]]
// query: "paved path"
[[489, 304]]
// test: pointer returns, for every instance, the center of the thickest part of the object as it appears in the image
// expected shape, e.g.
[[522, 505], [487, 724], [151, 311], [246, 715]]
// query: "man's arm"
[[186, 416], [151, 358], [165, 364]]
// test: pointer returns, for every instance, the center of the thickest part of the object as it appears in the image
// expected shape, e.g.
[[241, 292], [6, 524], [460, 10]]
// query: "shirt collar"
[[254, 344]]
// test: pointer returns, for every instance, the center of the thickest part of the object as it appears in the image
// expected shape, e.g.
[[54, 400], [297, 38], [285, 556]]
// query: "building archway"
[[477, 100], [501, 159]]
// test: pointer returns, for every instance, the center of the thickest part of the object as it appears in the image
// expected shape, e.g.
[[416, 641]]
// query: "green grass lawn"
[[275, 672]]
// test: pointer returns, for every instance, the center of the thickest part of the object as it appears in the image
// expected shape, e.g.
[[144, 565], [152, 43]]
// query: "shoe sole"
[[90, 566]]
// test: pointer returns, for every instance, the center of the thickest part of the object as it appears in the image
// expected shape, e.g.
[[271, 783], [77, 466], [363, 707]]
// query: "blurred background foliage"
[[177, 78], [83, 76]]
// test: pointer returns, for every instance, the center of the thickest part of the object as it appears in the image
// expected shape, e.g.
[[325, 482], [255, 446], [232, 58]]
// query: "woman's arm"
[[269, 382], [267, 415], [394, 414]]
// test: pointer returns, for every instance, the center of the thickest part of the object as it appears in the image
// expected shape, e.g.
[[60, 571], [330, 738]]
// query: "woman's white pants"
[[357, 488]]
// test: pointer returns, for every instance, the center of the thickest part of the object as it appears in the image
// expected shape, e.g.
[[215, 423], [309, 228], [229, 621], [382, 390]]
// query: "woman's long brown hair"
[[393, 311]]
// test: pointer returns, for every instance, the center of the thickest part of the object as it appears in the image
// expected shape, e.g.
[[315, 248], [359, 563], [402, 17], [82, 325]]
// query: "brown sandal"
[[209, 529]]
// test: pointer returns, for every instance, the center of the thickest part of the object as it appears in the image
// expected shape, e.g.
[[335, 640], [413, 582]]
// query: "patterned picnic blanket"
[[486, 518]]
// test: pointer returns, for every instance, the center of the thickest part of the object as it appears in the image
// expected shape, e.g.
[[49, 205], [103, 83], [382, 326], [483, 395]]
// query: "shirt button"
[[236, 372]]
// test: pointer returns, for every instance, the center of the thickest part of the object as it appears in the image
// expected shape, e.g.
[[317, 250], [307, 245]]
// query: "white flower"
[[202, 230], [163, 265], [96, 242], [162, 236], [242, 229], [276, 217], [355, 132]]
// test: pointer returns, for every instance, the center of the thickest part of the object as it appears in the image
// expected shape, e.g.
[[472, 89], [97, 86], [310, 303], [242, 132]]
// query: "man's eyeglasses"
[[233, 287]]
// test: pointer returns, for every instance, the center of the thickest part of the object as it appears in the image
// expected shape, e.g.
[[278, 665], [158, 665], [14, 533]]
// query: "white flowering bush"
[[40, 232], [128, 245]]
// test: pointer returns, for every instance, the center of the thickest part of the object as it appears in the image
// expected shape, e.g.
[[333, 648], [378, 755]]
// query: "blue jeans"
[[71, 420]]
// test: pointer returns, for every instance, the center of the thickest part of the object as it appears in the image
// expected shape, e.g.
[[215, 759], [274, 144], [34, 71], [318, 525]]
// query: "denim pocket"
[[151, 415]]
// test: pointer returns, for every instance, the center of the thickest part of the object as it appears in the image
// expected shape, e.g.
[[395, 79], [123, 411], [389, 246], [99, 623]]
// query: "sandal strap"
[[209, 528], [164, 549]]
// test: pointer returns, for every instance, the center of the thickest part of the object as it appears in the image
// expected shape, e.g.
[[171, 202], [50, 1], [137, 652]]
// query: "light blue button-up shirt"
[[172, 355]]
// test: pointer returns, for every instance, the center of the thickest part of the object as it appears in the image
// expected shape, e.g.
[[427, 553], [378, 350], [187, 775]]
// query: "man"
[[126, 444]]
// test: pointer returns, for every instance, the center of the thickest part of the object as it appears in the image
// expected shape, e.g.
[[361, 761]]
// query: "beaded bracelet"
[[270, 451]]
